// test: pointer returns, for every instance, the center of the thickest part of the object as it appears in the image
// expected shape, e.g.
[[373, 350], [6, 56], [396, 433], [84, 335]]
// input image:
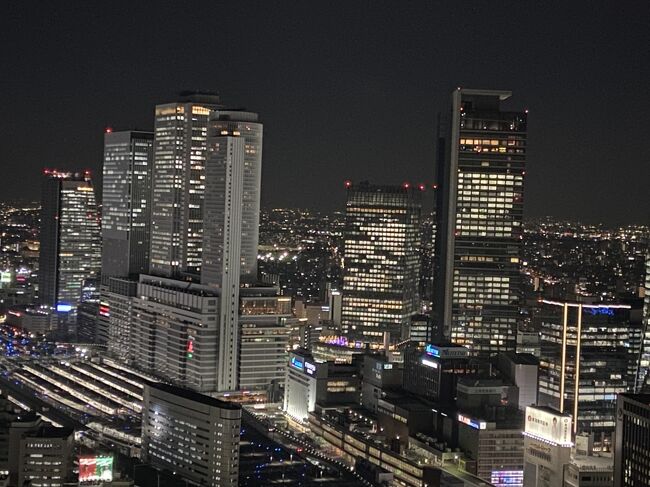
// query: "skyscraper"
[[126, 202], [632, 451], [481, 159], [644, 360], [180, 148], [231, 223], [70, 238], [381, 263], [589, 354]]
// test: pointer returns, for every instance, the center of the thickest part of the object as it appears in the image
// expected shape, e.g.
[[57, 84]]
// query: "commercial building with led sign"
[[474, 423], [547, 446], [96, 468], [308, 382]]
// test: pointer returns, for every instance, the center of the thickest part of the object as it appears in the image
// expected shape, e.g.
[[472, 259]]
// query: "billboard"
[[545, 424], [96, 467]]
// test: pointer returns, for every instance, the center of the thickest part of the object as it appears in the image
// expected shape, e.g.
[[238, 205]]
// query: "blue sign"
[[297, 363], [63, 307], [431, 350], [601, 311]]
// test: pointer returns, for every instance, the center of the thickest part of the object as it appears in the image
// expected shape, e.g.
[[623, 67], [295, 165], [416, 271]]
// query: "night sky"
[[346, 90]]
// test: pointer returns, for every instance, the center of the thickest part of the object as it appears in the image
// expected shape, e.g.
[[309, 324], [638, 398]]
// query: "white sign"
[[549, 426]]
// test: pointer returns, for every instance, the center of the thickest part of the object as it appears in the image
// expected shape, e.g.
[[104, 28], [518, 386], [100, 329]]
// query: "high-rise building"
[[597, 343], [381, 260], [642, 379], [192, 435], [116, 316], [632, 450], [481, 161], [89, 327], [231, 223], [70, 238], [126, 202], [178, 186]]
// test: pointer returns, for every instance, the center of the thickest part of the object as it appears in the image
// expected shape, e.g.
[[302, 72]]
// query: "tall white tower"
[[231, 223]]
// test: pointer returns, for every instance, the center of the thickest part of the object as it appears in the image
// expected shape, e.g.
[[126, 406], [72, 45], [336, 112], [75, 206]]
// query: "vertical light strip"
[[563, 365], [577, 372]]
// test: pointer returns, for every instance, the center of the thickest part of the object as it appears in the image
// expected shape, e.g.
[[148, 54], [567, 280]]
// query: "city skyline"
[[378, 120]]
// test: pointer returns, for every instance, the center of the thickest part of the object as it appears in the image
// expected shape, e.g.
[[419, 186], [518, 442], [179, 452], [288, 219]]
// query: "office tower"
[[39, 455], [632, 450], [70, 238], [179, 154], [126, 202], [192, 435], [263, 337], [116, 316], [381, 260], [547, 446], [481, 159], [89, 329], [599, 344], [175, 332], [231, 223], [644, 360]]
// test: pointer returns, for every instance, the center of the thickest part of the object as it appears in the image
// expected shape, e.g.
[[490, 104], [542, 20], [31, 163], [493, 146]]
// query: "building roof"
[[642, 398], [522, 358], [192, 395]]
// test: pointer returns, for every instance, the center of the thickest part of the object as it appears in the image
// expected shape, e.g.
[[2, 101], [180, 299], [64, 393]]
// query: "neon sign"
[[431, 350], [601, 311], [297, 363], [478, 425], [310, 368], [430, 363]]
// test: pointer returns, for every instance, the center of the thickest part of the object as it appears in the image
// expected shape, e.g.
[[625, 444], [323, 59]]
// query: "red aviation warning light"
[[347, 183]]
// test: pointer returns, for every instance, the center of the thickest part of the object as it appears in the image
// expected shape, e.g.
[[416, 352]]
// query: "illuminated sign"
[[433, 351], [600, 311], [543, 424], [5, 277], [297, 363], [505, 478], [63, 307], [94, 468], [474, 423], [190, 347], [430, 363], [388, 366], [104, 310], [310, 368]]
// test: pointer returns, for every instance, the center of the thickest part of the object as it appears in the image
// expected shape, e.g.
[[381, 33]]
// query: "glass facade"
[[644, 362], [382, 261], [70, 238], [481, 168], [180, 148], [608, 349], [126, 202]]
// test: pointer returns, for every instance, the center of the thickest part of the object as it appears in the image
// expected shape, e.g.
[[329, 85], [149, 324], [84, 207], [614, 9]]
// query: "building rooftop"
[[642, 398], [522, 358], [592, 463], [192, 395]]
